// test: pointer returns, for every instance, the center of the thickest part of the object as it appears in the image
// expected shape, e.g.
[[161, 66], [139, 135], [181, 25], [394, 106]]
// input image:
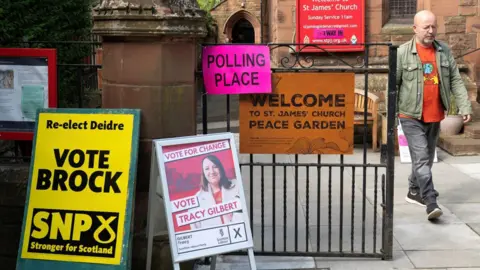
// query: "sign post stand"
[[213, 263], [199, 181], [151, 197]]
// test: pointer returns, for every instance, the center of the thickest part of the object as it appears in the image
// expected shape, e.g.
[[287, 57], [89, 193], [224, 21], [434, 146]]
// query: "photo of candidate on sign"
[[203, 195], [217, 193]]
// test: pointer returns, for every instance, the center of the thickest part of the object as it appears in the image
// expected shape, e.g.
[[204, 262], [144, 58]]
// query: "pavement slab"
[[458, 192], [262, 262], [408, 214], [399, 261], [475, 227], [470, 168], [444, 258], [353, 239], [431, 236], [284, 239], [466, 212], [445, 157]]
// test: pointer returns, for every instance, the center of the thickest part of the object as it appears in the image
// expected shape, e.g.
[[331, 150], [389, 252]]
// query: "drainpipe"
[[261, 21]]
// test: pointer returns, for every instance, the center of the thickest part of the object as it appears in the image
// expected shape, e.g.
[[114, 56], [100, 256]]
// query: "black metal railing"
[[322, 179]]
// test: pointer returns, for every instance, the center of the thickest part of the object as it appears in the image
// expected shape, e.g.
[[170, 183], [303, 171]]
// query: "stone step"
[[476, 109], [472, 130], [459, 145]]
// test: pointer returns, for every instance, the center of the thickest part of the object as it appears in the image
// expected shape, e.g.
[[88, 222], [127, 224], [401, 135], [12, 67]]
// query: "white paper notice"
[[23, 88]]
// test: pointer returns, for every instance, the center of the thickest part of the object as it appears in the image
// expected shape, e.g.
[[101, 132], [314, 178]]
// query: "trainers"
[[414, 198], [433, 211]]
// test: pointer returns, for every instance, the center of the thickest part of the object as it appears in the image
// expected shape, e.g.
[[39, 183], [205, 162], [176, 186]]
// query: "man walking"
[[427, 77]]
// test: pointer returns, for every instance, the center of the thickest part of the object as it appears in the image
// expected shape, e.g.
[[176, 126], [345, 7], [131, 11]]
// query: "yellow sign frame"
[[82, 174]]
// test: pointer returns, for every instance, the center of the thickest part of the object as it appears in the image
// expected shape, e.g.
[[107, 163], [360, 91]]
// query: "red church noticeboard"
[[331, 22]]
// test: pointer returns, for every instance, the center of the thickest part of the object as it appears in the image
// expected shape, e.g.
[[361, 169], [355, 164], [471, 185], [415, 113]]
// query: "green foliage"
[[208, 5], [52, 21]]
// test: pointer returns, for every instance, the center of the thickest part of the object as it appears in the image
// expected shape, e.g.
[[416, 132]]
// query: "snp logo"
[[93, 231]]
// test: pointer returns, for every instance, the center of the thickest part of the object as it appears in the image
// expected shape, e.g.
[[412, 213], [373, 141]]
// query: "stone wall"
[[13, 184]]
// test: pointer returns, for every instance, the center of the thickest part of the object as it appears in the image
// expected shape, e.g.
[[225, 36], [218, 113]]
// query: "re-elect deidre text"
[[84, 125]]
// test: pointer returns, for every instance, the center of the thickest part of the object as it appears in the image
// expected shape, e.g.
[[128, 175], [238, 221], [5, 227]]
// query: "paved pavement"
[[451, 243], [216, 108]]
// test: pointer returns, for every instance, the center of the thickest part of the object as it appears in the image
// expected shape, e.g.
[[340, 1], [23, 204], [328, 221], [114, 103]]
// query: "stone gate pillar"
[[149, 59]]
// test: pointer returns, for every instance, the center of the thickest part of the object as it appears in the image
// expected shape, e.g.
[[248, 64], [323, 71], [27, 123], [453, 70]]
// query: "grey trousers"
[[422, 140]]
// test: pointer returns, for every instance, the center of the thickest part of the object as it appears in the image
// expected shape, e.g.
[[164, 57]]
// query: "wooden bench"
[[372, 113]]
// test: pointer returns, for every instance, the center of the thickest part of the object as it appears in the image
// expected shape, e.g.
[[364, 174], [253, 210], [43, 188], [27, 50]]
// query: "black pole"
[[365, 110], [389, 185], [204, 105]]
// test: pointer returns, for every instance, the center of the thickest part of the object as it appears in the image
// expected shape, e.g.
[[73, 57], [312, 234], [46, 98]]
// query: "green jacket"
[[410, 80]]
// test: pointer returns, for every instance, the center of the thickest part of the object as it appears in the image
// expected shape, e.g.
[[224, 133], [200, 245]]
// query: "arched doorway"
[[242, 27], [243, 32]]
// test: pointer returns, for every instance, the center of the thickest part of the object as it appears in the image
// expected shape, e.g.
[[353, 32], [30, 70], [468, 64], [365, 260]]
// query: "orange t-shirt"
[[433, 110]]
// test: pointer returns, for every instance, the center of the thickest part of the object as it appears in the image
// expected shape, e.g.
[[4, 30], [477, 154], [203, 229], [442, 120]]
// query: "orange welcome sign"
[[306, 113]]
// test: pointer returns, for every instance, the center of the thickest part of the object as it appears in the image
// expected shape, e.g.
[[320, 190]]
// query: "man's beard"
[[428, 40]]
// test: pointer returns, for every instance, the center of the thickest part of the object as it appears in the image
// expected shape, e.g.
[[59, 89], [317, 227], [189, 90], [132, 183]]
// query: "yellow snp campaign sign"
[[79, 198]]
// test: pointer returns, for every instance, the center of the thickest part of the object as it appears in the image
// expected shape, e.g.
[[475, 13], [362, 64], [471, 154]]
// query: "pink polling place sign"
[[236, 69]]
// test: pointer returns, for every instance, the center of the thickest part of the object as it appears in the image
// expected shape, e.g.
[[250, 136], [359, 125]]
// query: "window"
[[403, 8]]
